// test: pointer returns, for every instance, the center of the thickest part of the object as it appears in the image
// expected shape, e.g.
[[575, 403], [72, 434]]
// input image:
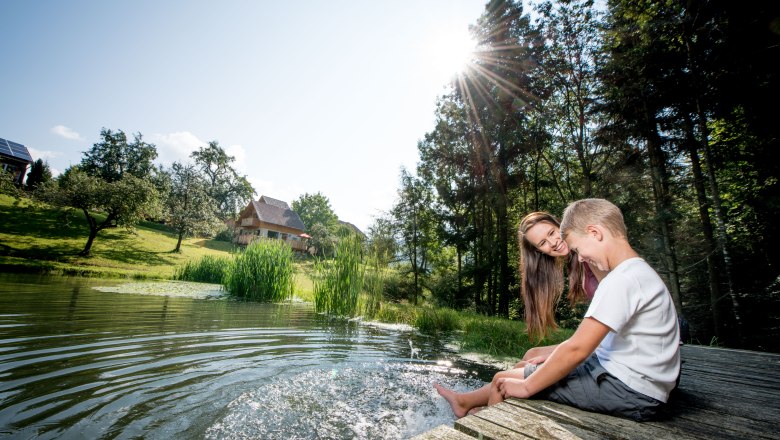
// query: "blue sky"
[[309, 96]]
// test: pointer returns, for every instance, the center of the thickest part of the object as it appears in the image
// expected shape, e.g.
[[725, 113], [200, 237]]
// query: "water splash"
[[372, 401]]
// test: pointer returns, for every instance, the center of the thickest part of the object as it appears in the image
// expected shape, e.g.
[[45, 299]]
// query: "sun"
[[448, 52]]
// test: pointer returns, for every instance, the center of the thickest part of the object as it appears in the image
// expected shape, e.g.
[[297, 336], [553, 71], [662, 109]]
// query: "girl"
[[542, 254]]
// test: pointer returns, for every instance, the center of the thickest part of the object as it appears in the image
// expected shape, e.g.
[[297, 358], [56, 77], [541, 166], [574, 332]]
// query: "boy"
[[624, 359]]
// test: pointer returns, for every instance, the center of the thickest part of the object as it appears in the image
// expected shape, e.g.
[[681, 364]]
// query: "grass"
[[42, 239], [338, 283], [497, 337], [206, 269], [262, 272]]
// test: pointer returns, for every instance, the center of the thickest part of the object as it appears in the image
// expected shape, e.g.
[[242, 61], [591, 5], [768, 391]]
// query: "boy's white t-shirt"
[[643, 348]]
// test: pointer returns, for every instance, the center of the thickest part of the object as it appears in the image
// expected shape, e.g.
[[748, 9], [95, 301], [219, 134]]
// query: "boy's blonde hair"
[[578, 215]]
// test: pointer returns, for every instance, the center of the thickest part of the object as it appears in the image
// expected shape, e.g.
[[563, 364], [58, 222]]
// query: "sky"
[[328, 96]]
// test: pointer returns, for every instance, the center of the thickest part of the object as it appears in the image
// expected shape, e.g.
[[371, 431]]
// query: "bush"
[[208, 269], [338, 282], [263, 272]]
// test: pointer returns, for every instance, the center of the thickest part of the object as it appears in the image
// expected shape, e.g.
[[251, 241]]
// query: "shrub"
[[208, 269], [263, 272], [338, 282]]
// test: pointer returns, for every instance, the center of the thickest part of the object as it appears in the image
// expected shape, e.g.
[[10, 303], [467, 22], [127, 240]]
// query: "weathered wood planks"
[[723, 393]]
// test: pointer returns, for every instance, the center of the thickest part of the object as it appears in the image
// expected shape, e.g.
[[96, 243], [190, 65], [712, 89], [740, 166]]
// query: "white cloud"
[[238, 152], [45, 155], [67, 133], [176, 147], [265, 188]]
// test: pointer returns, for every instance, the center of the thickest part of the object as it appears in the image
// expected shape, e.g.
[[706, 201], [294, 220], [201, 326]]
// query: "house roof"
[[15, 151], [274, 202], [278, 215]]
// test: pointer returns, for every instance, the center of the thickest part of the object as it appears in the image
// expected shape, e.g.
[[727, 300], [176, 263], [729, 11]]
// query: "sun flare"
[[449, 51]]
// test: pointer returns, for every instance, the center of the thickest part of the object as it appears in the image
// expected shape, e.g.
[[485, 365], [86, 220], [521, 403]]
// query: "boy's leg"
[[495, 395], [462, 403]]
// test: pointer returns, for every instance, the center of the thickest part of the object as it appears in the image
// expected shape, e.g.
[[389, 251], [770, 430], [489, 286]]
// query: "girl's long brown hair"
[[541, 277]]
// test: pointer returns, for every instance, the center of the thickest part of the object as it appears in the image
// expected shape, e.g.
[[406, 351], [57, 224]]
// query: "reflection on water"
[[79, 363]]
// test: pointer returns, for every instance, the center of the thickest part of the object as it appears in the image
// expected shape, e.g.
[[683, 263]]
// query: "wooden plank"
[[723, 393], [484, 429], [528, 424], [591, 425], [443, 432]]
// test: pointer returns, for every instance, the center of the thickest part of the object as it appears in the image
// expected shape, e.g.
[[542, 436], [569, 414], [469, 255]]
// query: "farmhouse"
[[14, 158], [269, 218]]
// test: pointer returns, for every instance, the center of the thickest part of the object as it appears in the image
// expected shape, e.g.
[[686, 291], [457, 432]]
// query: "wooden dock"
[[723, 394]]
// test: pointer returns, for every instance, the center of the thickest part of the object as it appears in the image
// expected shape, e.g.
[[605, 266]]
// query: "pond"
[[78, 362]]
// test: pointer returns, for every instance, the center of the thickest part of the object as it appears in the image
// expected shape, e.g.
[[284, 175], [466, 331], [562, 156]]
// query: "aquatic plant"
[[338, 282], [262, 272], [207, 269]]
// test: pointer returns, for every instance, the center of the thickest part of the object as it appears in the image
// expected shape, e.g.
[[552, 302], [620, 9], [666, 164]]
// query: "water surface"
[[76, 362]]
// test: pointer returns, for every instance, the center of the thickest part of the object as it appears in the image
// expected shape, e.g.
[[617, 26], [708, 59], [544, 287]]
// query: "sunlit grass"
[[338, 282], [42, 239], [207, 269], [262, 272]]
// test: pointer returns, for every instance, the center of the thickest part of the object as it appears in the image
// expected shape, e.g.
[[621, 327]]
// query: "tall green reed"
[[263, 272], [207, 269], [338, 282]]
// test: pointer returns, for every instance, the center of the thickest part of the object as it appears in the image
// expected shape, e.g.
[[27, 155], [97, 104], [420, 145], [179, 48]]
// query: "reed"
[[338, 282], [373, 289], [207, 269], [262, 272]]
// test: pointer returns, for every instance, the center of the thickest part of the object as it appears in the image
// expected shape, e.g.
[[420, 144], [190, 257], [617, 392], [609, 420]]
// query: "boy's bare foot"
[[476, 410], [453, 399]]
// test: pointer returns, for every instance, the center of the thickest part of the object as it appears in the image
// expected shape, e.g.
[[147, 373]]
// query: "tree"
[[314, 209], [190, 208], [39, 174], [123, 202], [415, 225], [320, 221], [113, 157], [231, 191]]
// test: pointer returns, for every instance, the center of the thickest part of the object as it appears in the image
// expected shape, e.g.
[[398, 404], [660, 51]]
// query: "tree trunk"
[[93, 230], [178, 243], [663, 209], [722, 236], [706, 227]]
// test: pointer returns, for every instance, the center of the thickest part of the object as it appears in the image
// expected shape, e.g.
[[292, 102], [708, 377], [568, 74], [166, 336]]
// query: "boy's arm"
[[566, 357]]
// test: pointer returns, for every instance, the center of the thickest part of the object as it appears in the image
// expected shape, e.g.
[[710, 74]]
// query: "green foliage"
[[224, 234], [338, 282], [7, 184], [207, 269], [314, 209], [190, 208], [125, 202], [374, 286], [263, 272], [231, 191], [39, 174], [114, 157], [320, 221]]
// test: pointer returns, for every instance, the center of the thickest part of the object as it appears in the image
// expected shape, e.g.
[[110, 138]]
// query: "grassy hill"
[[35, 238]]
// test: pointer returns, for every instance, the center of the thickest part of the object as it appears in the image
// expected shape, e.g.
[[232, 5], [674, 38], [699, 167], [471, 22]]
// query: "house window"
[[284, 237], [273, 234]]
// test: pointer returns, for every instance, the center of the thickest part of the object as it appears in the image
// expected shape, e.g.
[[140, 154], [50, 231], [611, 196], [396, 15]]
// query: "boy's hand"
[[509, 387]]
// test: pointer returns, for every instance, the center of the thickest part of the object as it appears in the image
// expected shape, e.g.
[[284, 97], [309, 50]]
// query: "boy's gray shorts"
[[592, 388]]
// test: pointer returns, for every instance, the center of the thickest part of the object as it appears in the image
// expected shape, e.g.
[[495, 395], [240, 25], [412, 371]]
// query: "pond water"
[[77, 362]]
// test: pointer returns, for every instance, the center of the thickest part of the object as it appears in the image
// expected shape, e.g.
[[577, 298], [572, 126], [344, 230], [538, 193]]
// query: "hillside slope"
[[36, 238]]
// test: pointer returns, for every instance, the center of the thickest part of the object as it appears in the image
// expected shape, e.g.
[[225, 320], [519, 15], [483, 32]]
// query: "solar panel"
[[19, 151]]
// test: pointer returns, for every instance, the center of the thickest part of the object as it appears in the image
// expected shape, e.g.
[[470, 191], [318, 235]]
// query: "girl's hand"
[[536, 360]]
